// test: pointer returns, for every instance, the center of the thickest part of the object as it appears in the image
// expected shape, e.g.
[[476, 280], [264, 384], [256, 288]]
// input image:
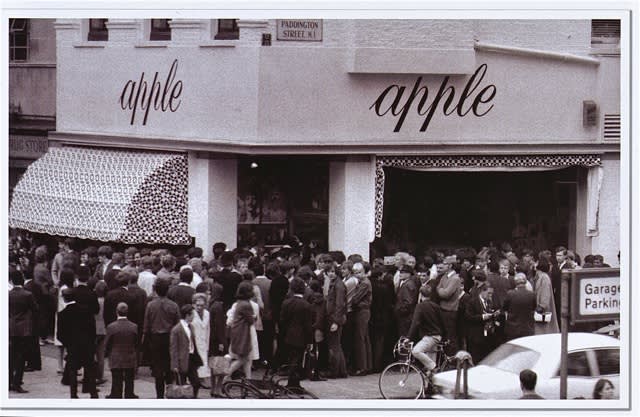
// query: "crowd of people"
[[318, 315]]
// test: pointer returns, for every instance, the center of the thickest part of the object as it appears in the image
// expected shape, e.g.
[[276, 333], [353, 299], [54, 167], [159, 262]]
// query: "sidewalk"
[[46, 384]]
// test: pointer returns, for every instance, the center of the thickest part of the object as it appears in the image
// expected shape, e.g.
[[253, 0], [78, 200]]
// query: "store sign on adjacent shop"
[[595, 294], [309, 30], [28, 147]]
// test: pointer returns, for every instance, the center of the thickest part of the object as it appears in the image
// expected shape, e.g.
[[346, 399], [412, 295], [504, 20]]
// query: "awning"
[[105, 194], [483, 163]]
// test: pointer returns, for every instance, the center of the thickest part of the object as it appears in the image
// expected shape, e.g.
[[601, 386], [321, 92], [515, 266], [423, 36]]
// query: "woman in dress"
[[244, 338], [544, 298], [201, 329]]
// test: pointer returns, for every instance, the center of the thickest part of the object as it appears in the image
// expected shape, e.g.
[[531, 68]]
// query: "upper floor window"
[[605, 32], [160, 30], [98, 30], [18, 40], [227, 29]]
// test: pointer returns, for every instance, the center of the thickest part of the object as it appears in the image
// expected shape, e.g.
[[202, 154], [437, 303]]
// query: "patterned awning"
[[105, 194], [474, 163]]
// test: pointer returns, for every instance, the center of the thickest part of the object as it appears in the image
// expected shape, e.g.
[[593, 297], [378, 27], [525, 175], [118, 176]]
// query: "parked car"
[[590, 357]]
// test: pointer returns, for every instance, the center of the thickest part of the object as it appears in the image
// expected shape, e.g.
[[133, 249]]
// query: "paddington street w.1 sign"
[[595, 294], [309, 30]]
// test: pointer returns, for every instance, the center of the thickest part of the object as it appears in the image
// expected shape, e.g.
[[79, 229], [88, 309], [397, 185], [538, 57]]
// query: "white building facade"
[[373, 135]]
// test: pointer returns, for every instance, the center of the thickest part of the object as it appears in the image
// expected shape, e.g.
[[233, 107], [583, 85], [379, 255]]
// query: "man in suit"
[[480, 323], [265, 337], [449, 291], [185, 359], [562, 263], [336, 318], [137, 302], [77, 332], [519, 306], [104, 257], [406, 299], [160, 316], [182, 293], [295, 324], [228, 278], [88, 299], [33, 357], [22, 308], [120, 294], [121, 344]]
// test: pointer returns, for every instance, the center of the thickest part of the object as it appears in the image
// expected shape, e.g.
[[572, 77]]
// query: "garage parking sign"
[[595, 294]]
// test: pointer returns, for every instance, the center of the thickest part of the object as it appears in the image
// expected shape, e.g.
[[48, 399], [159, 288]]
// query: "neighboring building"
[[396, 132], [32, 92]]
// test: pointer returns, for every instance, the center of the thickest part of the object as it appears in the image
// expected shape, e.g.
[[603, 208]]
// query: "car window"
[[577, 364], [511, 358], [608, 361]]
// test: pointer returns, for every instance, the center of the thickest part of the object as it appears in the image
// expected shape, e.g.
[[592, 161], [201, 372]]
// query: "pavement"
[[46, 384]]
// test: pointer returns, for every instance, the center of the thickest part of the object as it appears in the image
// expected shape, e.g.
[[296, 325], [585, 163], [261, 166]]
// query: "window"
[[160, 30], [227, 29], [98, 30], [512, 358], [608, 361], [18, 40], [605, 32], [577, 364]]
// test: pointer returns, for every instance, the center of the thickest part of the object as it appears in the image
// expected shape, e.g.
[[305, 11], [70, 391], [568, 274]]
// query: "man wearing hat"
[[406, 299], [449, 290], [22, 308]]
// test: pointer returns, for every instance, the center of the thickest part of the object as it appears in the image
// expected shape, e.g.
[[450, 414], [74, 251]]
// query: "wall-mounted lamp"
[[254, 165]]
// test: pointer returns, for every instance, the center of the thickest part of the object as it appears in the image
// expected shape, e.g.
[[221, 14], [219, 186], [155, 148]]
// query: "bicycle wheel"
[[401, 381], [239, 390]]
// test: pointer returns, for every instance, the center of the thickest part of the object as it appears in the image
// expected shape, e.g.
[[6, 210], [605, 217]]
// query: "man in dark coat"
[[160, 316], [406, 299], [104, 256], [336, 318], [33, 356], [519, 306], [296, 325], [22, 308], [77, 332], [115, 296], [277, 294], [121, 344], [137, 303], [228, 278], [88, 299], [182, 293], [427, 328], [480, 323]]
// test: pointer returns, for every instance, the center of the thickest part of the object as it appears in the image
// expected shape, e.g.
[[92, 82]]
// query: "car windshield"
[[511, 358]]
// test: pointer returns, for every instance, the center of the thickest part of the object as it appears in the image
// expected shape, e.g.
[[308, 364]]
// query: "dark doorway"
[[454, 209]]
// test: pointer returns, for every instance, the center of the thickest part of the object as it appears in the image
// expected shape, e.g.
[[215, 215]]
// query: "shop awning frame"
[[464, 163], [105, 194]]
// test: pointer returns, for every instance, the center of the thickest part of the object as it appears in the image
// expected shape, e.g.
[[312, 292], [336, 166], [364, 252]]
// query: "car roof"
[[544, 343]]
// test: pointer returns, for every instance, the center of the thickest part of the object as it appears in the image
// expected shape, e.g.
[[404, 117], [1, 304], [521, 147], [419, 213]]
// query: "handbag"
[[542, 317], [178, 389], [220, 364]]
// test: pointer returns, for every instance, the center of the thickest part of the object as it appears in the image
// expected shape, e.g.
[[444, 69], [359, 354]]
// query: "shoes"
[[205, 386], [132, 397], [100, 381], [95, 395], [215, 395], [317, 378], [20, 390], [360, 372]]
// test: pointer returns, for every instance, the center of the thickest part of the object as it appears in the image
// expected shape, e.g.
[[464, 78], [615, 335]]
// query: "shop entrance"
[[534, 209], [279, 198]]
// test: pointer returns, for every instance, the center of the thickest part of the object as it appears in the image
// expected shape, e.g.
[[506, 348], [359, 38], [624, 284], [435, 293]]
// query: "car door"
[[581, 377]]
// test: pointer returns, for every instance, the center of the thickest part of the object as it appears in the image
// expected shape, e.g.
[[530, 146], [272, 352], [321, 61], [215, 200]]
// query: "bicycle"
[[269, 387], [405, 378]]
